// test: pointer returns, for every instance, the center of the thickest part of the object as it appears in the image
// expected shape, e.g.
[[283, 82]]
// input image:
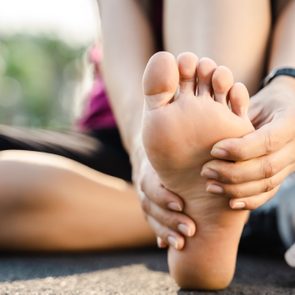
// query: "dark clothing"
[[101, 150]]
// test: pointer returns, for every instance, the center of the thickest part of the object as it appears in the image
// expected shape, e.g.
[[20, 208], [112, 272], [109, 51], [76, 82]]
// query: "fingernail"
[[160, 243], [185, 229], [174, 206], [214, 188], [238, 205], [207, 172], [219, 153], [173, 242]]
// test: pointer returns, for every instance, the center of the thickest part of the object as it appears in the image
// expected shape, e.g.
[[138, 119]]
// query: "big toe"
[[222, 81], [160, 79]]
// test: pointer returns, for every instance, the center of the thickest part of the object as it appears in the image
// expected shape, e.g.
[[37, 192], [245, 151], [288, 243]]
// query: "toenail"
[[214, 188], [209, 173], [238, 205], [174, 206], [185, 229], [173, 242], [219, 153]]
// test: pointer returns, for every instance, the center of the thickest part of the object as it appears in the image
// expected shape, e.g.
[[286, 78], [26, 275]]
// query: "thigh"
[[101, 150], [49, 202], [233, 33]]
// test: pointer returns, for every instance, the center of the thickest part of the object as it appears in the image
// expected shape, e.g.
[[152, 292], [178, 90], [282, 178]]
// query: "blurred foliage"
[[38, 76]]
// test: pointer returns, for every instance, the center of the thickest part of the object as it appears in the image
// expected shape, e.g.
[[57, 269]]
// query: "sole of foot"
[[191, 104]]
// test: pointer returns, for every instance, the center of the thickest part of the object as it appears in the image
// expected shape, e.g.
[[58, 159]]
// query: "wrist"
[[283, 81], [279, 72]]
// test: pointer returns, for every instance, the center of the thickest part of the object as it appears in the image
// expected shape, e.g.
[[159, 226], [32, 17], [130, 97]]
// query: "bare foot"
[[186, 113]]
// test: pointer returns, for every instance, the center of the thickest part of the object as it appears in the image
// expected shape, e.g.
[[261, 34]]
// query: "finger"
[[248, 189], [290, 256], [267, 139], [253, 202], [161, 244], [156, 193], [254, 169], [175, 221], [166, 235]]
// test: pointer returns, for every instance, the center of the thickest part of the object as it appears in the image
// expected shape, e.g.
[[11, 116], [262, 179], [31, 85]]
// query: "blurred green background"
[[38, 80]]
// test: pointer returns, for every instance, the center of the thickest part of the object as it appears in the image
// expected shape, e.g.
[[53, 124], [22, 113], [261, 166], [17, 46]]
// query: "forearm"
[[127, 45]]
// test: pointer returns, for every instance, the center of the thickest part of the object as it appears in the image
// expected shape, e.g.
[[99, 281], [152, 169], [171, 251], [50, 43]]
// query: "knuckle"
[[229, 173], [270, 142], [233, 177], [269, 184], [236, 192], [239, 152], [268, 168], [171, 220]]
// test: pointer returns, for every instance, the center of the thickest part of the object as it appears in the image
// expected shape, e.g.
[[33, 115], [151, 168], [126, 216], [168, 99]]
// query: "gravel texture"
[[130, 272]]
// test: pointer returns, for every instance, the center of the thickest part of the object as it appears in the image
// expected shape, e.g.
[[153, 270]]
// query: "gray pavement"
[[130, 272]]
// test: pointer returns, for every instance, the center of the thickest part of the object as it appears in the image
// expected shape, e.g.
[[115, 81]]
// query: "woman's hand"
[[162, 208], [257, 163]]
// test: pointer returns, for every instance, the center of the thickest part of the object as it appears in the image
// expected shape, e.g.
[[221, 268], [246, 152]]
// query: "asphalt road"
[[130, 272]]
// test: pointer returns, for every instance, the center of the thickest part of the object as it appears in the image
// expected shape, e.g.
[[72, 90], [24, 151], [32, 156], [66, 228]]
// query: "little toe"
[[222, 81], [205, 71], [239, 99], [160, 80], [187, 65]]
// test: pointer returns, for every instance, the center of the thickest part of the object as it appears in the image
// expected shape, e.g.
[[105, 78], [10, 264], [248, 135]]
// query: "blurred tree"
[[37, 80]]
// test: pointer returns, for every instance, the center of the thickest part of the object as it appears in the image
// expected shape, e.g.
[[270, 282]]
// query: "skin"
[[268, 159], [259, 169], [50, 203], [125, 91], [177, 148], [187, 22], [49, 227], [181, 22]]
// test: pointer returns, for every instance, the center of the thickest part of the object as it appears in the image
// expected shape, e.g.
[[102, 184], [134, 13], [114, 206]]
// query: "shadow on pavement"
[[27, 266], [258, 273]]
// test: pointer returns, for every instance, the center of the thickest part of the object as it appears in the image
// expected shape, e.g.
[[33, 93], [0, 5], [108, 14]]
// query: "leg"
[[97, 149], [233, 33], [48, 202], [179, 130]]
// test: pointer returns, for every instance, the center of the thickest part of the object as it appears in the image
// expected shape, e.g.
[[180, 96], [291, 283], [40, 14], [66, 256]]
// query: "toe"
[[205, 71], [160, 80], [187, 65], [222, 81], [239, 99]]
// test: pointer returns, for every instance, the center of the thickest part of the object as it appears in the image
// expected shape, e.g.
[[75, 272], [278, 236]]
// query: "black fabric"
[[101, 150], [261, 233]]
